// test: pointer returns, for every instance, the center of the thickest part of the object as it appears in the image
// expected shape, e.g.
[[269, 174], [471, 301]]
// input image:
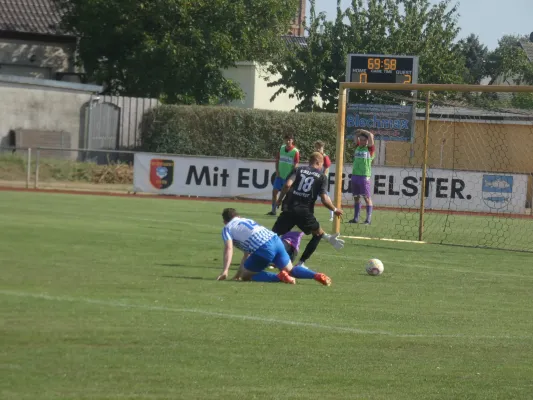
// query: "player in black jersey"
[[297, 200]]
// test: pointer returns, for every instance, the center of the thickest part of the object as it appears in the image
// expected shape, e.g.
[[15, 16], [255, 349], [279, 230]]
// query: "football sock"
[[274, 207], [301, 272], [357, 210], [369, 213], [264, 276], [310, 248]]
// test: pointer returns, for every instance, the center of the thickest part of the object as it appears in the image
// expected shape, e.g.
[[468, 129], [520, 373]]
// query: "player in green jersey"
[[287, 160], [361, 173]]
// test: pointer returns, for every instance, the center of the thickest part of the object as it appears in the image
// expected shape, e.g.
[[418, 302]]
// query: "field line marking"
[[252, 318]]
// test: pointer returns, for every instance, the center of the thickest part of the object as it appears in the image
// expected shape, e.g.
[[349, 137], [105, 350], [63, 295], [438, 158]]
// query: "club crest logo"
[[161, 173], [497, 191]]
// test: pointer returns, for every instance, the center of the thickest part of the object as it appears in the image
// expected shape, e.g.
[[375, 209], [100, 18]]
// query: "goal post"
[[463, 177]]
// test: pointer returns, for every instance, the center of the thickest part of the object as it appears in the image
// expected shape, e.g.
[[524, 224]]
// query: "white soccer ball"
[[374, 267]]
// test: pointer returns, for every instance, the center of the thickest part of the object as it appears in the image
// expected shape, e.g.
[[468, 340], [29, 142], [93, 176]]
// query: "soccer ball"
[[374, 267]]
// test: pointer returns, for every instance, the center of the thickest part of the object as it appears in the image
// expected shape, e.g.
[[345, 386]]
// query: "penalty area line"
[[241, 317]]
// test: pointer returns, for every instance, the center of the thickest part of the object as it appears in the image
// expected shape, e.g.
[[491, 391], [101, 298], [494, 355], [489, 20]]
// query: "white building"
[[253, 79]]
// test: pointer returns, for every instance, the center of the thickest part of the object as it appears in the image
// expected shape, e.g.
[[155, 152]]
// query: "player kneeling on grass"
[[261, 247]]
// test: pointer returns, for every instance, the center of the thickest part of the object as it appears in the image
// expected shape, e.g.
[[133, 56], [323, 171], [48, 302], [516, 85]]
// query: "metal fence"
[[74, 169]]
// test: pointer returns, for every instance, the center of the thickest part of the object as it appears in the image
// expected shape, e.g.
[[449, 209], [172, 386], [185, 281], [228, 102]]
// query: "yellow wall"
[[485, 146]]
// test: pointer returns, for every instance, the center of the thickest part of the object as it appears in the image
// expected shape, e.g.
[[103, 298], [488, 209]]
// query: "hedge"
[[233, 132]]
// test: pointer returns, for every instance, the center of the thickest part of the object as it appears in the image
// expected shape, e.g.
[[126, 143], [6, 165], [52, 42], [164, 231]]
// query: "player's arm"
[[368, 133], [325, 198], [238, 275], [370, 139], [288, 183], [296, 160], [329, 204], [327, 164], [228, 254]]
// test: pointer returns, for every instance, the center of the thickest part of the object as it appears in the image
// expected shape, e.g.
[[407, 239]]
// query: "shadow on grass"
[[201, 278], [194, 278], [193, 266]]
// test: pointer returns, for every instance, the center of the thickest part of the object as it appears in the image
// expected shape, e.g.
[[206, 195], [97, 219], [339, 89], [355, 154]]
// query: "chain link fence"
[[66, 169]]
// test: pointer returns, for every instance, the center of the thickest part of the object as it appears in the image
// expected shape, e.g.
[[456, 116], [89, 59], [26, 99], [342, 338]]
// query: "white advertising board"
[[391, 186]]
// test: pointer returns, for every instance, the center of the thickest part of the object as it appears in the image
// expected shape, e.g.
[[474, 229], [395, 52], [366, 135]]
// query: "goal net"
[[469, 152]]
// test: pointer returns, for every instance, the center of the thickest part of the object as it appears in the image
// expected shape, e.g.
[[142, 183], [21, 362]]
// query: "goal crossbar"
[[436, 87]]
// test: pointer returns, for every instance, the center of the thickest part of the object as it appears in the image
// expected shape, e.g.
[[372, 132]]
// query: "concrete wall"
[[253, 80], [41, 109], [244, 75], [263, 93], [35, 59], [59, 109]]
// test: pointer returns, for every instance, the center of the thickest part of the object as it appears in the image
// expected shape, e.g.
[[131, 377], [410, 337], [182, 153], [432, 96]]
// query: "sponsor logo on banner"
[[161, 173], [391, 186], [497, 191], [386, 122]]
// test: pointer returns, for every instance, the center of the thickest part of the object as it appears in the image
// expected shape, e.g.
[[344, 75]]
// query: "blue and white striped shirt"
[[246, 234]]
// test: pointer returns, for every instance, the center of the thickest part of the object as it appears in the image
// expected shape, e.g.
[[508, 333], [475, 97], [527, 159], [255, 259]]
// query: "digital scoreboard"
[[378, 68]]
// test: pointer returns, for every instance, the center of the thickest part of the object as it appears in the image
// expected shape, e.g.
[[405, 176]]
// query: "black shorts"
[[303, 218]]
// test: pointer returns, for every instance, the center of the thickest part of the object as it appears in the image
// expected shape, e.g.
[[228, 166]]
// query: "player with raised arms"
[[361, 173]]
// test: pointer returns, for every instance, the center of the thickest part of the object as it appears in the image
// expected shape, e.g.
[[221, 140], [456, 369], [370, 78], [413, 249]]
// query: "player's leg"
[[356, 192], [257, 262], [356, 210], [368, 201], [300, 270], [282, 260], [276, 187], [291, 242], [308, 224], [331, 213], [284, 223], [273, 204], [290, 250]]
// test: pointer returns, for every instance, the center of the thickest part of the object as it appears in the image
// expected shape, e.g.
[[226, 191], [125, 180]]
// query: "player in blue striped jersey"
[[261, 247]]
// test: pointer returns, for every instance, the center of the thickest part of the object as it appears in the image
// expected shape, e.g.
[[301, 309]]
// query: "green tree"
[[412, 27], [509, 62], [476, 56], [522, 100], [174, 49], [307, 69]]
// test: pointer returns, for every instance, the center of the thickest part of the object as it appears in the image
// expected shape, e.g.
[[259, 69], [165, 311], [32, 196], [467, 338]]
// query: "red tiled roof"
[[30, 16]]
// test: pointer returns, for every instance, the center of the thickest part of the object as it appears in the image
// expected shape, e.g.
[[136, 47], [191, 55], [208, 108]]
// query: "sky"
[[489, 19]]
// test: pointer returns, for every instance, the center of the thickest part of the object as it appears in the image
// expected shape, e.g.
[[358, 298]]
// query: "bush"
[[233, 132]]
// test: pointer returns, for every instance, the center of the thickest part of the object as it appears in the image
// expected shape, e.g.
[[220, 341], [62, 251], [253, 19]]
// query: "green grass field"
[[116, 298], [498, 231]]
